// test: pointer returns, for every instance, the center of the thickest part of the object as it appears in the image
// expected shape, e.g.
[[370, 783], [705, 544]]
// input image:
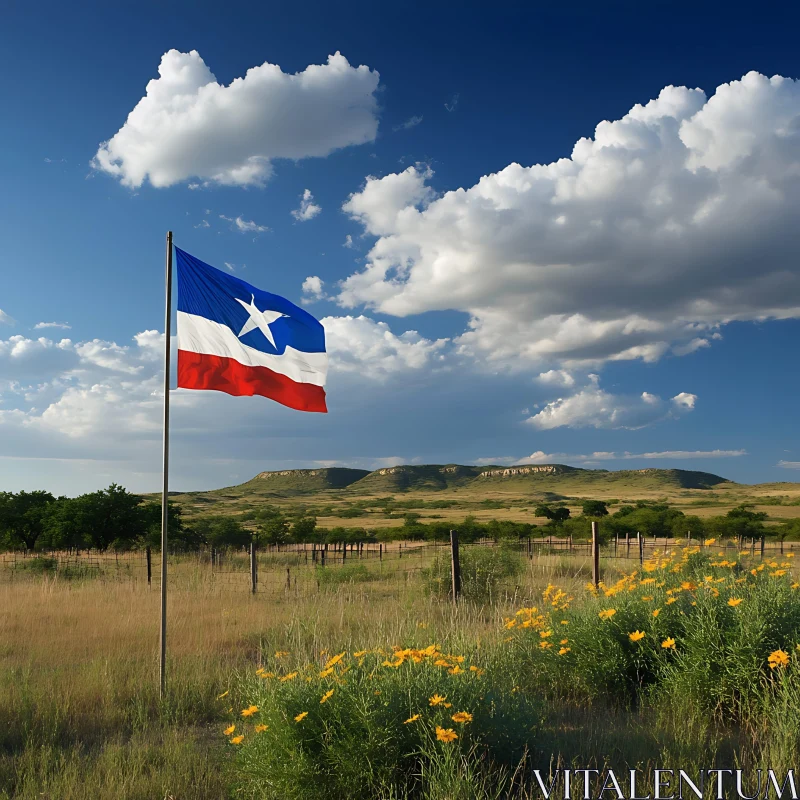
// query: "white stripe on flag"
[[201, 335]]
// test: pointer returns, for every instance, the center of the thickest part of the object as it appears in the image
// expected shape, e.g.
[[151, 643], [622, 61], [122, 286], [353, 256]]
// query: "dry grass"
[[80, 706]]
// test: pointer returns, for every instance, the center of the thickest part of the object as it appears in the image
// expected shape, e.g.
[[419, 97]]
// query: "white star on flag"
[[259, 319]]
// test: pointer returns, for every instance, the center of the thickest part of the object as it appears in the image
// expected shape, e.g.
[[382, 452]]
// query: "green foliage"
[[717, 666], [556, 514], [358, 743], [304, 529], [222, 531], [594, 508], [483, 569], [23, 518]]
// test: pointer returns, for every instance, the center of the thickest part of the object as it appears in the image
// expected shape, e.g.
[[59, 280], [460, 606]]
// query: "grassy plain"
[[80, 699], [513, 498]]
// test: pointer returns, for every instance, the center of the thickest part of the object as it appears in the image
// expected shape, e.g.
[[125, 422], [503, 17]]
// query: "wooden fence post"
[[253, 573], [627, 544], [288, 579], [344, 552], [148, 557], [455, 565], [641, 548], [762, 546], [595, 555], [380, 552]]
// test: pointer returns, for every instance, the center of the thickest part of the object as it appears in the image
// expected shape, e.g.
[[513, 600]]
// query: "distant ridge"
[[439, 477], [302, 481]]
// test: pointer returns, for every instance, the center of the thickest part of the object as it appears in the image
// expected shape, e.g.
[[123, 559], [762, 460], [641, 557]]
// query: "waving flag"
[[235, 338]]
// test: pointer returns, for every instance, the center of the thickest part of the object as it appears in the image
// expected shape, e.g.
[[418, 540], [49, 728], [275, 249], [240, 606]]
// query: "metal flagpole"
[[165, 487]]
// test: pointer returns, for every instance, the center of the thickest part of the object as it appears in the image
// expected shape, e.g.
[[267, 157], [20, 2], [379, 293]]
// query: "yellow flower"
[[224, 694], [778, 658], [668, 643], [445, 734], [441, 662], [647, 598], [564, 650], [455, 671], [334, 660], [656, 612], [249, 711], [437, 699], [607, 613], [636, 636], [327, 696], [565, 622], [325, 672], [545, 645], [266, 675], [671, 600], [360, 654], [709, 542], [545, 634], [237, 739], [260, 728], [564, 641], [462, 716], [281, 653], [734, 601], [229, 730], [301, 716], [411, 719]]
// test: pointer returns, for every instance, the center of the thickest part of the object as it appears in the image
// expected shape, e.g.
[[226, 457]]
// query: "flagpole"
[[165, 487]]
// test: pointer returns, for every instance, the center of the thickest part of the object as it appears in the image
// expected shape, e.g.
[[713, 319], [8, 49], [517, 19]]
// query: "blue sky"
[[641, 298]]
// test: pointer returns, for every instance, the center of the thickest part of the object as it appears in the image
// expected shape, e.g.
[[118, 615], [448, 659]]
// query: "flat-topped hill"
[[440, 477]]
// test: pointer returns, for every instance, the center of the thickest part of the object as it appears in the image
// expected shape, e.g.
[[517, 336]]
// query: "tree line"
[[116, 519]]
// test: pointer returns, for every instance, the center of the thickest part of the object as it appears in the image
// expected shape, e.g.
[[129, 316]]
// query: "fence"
[[308, 568]]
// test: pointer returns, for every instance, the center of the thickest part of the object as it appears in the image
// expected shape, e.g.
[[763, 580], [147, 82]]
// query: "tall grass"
[[80, 699]]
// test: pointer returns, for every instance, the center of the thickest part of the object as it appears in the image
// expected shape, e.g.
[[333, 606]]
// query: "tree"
[[179, 536], [222, 531], [303, 529], [23, 517], [594, 508], [274, 531], [109, 517], [558, 514]]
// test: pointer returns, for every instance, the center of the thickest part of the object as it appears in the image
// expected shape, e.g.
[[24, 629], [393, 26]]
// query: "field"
[[513, 497], [78, 656]]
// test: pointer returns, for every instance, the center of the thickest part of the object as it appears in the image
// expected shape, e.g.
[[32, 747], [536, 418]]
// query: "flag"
[[235, 338]]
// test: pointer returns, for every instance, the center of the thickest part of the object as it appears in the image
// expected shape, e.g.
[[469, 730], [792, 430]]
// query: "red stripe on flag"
[[201, 371]]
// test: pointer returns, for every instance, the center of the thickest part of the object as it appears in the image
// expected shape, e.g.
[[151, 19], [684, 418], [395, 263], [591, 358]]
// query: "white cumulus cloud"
[[369, 348], [308, 208], [313, 289], [188, 125], [670, 222], [592, 406]]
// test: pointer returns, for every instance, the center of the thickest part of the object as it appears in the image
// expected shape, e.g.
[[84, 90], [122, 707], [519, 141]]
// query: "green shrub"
[[709, 627], [39, 565], [483, 569], [367, 727]]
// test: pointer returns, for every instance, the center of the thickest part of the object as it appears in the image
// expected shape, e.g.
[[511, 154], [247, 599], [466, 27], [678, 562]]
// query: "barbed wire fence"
[[308, 568]]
